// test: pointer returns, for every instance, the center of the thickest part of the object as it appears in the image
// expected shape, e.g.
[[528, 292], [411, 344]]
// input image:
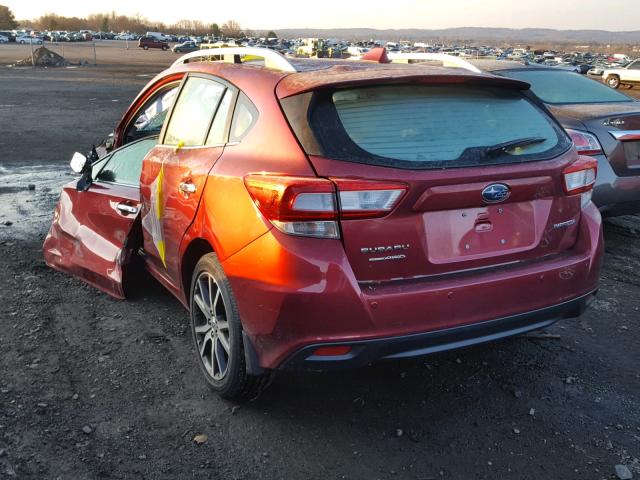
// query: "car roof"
[[310, 74]]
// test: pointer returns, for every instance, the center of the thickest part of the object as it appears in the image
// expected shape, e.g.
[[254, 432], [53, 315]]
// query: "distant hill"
[[472, 34]]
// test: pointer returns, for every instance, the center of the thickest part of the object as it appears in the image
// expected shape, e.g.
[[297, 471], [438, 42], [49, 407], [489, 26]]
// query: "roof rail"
[[272, 59], [447, 60]]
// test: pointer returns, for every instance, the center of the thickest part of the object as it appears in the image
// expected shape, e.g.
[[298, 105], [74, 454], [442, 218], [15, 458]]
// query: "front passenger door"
[[175, 172]]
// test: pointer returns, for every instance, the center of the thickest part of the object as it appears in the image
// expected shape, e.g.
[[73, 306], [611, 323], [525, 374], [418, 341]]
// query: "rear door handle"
[[187, 188], [127, 209]]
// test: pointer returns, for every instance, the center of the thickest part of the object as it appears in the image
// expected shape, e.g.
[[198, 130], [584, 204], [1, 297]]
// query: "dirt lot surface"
[[91, 387]]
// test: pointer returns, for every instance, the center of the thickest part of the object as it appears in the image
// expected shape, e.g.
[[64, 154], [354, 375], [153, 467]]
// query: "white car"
[[597, 71], [629, 75], [25, 39], [3, 39], [125, 36]]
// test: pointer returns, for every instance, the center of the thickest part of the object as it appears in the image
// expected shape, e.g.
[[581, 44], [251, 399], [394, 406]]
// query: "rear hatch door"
[[466, 204]]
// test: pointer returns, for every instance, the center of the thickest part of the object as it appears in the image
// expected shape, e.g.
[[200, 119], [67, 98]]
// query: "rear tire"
[[613, 81], [217, 334]]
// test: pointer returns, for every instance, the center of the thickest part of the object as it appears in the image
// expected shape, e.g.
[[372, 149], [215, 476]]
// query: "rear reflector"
[[332, 351], [580, 176], [311, 206], [586, 143]]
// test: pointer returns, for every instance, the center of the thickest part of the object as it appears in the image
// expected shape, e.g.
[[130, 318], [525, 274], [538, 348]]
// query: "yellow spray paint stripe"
[[159, 213]]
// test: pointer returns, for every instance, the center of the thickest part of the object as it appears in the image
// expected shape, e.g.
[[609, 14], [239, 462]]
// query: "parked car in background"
[[185, 47], [125, 36], [158, 35], [11, 37], [628, 76], [4, 39], [603, 123], [152, 42], [319, 215], [26, 39], [596, 70]]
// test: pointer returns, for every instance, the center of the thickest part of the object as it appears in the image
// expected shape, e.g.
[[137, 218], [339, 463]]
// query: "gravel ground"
[[91, 387]]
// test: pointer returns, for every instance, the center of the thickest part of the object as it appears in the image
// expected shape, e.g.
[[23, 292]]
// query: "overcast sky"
[[274, 14]]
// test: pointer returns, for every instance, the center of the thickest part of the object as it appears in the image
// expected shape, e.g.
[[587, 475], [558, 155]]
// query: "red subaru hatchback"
[[324, 214]]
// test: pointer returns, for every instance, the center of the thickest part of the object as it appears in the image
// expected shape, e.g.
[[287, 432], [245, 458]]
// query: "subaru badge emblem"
[[496, 193]]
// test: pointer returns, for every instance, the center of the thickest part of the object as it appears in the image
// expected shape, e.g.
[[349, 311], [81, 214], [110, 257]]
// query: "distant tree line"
[[123, 23], [7, 20]]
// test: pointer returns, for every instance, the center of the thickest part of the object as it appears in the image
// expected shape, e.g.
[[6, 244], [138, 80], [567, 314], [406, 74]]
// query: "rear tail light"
[[311, 207], [296, 205], [586, 143], [580, 177]]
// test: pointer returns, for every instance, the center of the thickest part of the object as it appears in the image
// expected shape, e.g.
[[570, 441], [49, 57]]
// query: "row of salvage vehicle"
[[316, 215]]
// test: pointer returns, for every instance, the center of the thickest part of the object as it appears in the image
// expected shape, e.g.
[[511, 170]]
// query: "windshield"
[[556, 86], [434, 126]]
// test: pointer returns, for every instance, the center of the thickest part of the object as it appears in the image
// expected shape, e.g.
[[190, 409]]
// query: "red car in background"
[[152, 42], [318, 215]]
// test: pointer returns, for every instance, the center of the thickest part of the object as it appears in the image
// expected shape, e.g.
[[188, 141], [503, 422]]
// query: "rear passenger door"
[[175, 172]]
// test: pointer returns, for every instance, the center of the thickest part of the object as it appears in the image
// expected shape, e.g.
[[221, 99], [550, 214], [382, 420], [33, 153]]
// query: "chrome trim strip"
[[625, 135]]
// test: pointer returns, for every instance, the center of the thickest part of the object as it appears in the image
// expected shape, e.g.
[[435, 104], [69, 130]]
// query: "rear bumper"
[[365, 352], [615, 195], [296, 293]]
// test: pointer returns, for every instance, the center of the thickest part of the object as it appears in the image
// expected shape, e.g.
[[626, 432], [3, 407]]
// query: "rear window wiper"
[[511, 144], [483, 153]]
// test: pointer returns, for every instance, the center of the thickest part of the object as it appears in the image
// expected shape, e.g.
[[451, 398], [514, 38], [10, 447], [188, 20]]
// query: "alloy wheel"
[[211, 326]]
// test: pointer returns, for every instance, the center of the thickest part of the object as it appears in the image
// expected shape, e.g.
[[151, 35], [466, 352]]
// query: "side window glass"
[[218, 127], [244, 118], [125, 164], [635, 65], [99, 165], [193, 112], [150, 118]]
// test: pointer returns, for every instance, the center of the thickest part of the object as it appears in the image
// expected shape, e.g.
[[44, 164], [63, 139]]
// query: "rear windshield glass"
[[566, 87], [433, 126]]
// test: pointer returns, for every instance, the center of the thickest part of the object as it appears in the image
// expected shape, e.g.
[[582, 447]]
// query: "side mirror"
[[110, 142], [78, 162], [82, 164]]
